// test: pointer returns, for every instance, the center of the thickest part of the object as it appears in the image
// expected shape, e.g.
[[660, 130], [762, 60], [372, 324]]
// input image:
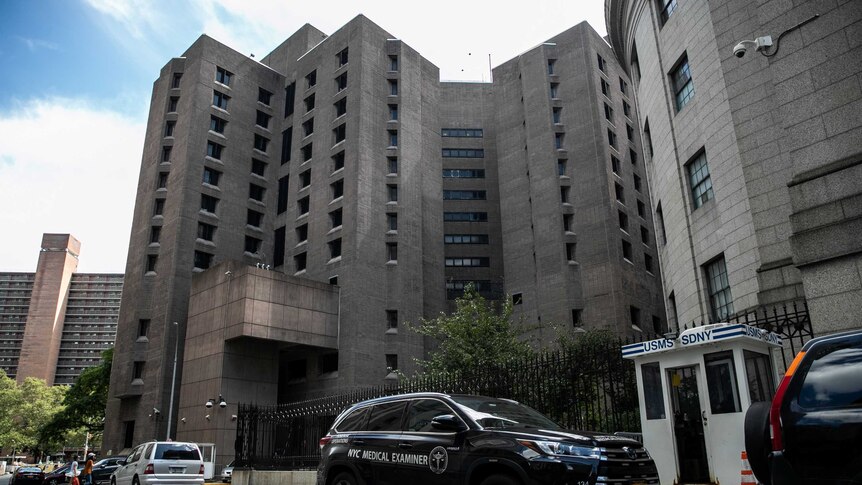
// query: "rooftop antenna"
[[490, 71]]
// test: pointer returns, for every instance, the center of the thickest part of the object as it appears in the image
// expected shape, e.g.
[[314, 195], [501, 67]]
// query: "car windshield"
[[502, 413], [177, 452]]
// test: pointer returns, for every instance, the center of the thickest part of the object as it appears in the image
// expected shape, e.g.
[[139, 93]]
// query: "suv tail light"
[[149, 470], [201, 472], [775, 409], [324, 441]]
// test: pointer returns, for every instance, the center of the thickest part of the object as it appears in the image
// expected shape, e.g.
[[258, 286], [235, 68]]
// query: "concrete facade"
[[381, 192], [245, 324], [781, 140], [56, 322], [562, 199]]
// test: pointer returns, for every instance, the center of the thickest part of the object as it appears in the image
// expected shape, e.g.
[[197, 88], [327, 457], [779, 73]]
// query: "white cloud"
[[455, 35], [35, 44], [136, 16], [67, 167]]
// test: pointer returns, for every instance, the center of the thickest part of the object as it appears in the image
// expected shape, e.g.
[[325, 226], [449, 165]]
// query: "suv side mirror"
[[121, 462], [448, 422]]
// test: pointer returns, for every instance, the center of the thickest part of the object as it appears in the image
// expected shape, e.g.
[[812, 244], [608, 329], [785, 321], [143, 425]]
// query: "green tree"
[[591, 398], [25, 409], [477, 335], [84, 405], [10, 434]]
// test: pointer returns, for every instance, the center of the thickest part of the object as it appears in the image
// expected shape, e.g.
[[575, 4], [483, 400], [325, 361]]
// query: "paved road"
[[4, 480]]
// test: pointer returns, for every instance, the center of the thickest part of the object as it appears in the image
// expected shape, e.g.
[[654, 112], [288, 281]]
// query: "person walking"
[[87, 472], [73, 473]]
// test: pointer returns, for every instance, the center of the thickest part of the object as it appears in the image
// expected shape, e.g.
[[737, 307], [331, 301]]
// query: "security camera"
[[760, 44], [156, 411], [183, 420]]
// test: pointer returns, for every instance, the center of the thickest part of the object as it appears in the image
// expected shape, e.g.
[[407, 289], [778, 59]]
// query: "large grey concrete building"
[[755, 163], [55, 323], [294, 212]]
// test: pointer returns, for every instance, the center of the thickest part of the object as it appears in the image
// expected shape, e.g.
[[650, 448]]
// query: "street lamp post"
[[173, 380]]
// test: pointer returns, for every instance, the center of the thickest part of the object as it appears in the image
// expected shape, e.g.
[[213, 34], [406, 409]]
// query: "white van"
[[161, 463]]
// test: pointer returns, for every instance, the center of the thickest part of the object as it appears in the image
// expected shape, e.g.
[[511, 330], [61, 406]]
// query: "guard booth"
[[208, 452], [694, 390]]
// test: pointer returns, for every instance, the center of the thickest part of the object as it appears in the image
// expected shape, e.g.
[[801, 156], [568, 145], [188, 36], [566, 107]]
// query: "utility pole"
[[173, 380]]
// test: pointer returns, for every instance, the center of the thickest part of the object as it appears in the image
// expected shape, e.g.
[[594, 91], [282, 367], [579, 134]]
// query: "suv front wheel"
[[344, 478]]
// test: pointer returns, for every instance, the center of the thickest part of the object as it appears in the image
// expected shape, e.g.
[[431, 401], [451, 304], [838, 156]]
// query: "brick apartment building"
[[55, 323]]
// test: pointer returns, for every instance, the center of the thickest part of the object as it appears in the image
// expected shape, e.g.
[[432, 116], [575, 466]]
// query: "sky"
[[76, 79]]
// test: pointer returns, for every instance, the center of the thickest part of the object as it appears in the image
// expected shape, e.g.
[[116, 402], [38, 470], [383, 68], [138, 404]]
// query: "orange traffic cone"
[[747, 477]]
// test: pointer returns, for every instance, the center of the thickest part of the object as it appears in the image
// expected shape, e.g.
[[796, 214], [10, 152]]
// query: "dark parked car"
[[103, 469], [58, 475], [811, 432], [25, 475], [432, 438]]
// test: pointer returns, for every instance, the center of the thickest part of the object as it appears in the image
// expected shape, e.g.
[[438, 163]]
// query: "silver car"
[[226, 472], [161, 463]]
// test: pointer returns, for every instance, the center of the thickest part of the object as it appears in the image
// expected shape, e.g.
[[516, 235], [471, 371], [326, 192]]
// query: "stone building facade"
[[755, 163], [294, 213]]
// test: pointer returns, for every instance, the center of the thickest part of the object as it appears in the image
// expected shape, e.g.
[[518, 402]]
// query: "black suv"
[[471, 440], [811, 432]]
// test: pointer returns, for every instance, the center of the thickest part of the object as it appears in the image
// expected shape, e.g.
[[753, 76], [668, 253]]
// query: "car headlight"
[[557, 448]]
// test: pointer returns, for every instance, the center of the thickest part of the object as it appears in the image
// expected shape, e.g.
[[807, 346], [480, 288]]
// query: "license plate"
[[178, 469]]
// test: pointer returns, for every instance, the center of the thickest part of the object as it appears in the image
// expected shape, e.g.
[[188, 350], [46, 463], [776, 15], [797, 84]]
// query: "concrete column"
[[58, 260]]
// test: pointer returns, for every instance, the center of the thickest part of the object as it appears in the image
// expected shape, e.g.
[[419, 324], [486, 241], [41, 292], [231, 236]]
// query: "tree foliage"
[[84, 405], [478, 334], [25, 409]]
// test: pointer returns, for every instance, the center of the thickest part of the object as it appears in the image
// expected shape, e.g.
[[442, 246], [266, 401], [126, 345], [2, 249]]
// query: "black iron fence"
[[589, 388], [790, 320]]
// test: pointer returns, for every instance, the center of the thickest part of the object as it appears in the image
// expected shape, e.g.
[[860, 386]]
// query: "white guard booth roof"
[[694, 390]]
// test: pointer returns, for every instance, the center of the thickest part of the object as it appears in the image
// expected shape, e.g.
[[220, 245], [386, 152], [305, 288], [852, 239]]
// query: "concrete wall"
[[599, 281], [781, 143], [241, 319], [259, 477], [412, 286], [813, 89], [161, 296]]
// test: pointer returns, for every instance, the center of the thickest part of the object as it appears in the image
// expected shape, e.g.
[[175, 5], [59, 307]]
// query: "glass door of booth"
[[688, 425]]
